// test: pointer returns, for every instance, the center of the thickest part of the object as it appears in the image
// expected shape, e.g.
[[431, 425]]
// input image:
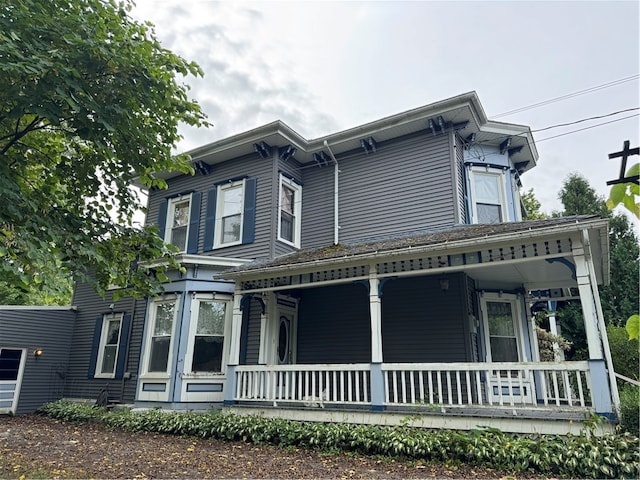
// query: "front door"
[[11, 370], [285, 340], [504, 343]]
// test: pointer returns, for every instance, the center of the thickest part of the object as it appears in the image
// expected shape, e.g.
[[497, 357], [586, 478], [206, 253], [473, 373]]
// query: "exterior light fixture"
[[38, 352]]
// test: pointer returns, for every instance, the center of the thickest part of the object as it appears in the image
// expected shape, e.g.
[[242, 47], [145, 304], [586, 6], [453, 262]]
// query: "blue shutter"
[[162, 217], [249, 215], [124, 343], [194, 223], [97, 332], [210, 220]]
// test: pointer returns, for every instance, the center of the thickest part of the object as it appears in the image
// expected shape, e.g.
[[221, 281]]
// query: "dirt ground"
[[35, 446]]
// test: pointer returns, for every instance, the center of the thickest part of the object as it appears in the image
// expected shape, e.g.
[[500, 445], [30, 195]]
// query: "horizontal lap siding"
[[253, 333], [318, 207], [405, 185], [460, 185], [421, 323], [90, 307], [50, 330], [334, 326], [261, 169]]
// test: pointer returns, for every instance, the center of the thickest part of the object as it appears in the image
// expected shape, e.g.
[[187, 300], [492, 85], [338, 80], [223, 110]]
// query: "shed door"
[[11, 370]]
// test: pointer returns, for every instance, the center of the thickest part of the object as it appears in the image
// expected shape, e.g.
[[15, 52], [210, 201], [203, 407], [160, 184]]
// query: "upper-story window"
[[290, 210], [229, 213], [177, 230], [488, 195]]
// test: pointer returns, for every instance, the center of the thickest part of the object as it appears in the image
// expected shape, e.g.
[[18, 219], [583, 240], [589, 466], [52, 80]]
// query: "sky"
[[322, 67]]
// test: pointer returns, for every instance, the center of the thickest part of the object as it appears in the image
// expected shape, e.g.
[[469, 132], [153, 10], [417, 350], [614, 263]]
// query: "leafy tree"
[[620, 298], [532, 206], [627, 195], [580, 198], [89, 101]]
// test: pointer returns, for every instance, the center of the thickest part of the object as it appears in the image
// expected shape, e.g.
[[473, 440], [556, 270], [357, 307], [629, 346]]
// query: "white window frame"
[[516, 317], [193, 325], [219, 233], [171, 210], [500, 176], [149, 336], [297, 210], [103, 344]]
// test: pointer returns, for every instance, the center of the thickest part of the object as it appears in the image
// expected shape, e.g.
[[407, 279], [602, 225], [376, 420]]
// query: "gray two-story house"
[[373, 272]]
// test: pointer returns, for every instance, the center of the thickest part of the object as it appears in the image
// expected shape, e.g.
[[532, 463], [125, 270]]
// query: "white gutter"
[[336, 220]]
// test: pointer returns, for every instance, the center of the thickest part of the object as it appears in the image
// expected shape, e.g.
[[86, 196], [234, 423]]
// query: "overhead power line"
[[587, 119], [587, 128], [569, 95]]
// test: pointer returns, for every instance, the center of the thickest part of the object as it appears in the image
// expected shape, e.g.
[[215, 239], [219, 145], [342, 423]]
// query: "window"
[[162, 319], [290, 211], [229, 214], [487, 190], [177, 231], [208, 323], [109, 345]]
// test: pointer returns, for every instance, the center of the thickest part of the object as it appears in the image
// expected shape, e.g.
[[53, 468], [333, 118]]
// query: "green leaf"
[[633, 327]]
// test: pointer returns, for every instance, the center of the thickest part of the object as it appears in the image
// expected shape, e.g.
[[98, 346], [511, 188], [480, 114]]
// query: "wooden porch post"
[[234, 349], [375, 309], [595, 330]]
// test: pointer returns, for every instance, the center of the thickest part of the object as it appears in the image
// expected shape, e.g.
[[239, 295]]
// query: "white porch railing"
[[311, 385], [565, 384], [502, 384]]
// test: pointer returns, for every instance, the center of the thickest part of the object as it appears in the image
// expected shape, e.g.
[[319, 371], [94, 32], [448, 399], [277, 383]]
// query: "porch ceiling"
[[537, 254]]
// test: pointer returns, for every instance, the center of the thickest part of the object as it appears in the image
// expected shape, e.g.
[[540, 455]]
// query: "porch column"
[[375, 310], [594, 329], [234, 349]]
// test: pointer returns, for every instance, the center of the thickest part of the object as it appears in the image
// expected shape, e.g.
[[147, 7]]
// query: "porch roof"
[[448, 241]]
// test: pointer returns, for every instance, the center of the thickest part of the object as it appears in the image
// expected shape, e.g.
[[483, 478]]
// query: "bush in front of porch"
[[583, 456]]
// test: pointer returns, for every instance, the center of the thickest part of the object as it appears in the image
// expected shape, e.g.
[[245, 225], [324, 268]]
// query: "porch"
[[439, 334]]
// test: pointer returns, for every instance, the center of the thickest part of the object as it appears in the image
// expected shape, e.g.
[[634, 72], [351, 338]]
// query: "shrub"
[[630, 409], [583, 456], [624, 352]]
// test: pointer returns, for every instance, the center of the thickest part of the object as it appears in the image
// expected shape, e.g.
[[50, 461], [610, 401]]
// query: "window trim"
[[171, 208], [496, 173], [193, 324], [218, 231], [297, 210], [149, 336], [106, 318]]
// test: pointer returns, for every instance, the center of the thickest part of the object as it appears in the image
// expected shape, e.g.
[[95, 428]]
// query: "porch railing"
[[502, 384], [564, 384], [310, 385]]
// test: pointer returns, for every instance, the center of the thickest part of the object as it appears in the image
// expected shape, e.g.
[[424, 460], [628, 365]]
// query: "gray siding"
[[421, 323], [90, 307], [459, 180], [252, 342], [49, 329], [317, 207], [251, 166], [334, 326], [406, 185]]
